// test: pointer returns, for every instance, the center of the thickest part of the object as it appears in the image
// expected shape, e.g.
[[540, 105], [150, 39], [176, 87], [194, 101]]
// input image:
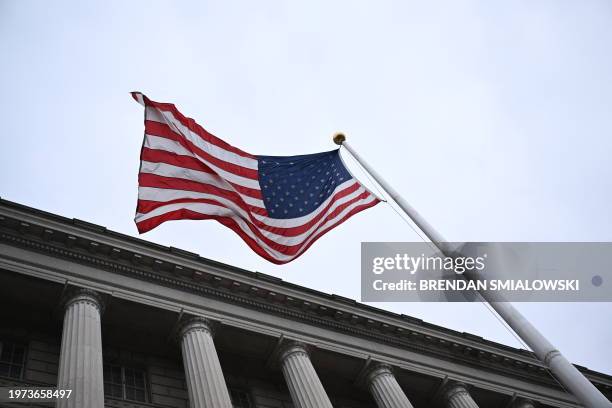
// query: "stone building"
[[127, 323]]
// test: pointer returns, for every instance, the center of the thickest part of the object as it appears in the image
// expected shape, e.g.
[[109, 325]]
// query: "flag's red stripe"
[[289, 232], [181, 214], [188, 162], [163, 130], [179, 160], [194, 127], [154, 180]]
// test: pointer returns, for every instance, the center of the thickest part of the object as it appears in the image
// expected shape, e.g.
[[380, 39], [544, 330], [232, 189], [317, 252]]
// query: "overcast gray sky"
[[492, 118]]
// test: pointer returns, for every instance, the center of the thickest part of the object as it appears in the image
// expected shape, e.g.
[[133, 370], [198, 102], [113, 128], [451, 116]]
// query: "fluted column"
[[302, 380], [456, 395], [385, 389], [523, 403], [80, 364], [205, 381]]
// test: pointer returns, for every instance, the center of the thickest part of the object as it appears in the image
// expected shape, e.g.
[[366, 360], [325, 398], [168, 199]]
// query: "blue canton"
[[294, 186]]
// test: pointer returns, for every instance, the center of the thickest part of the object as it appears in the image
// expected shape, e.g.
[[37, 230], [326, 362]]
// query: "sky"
[[493, 119]]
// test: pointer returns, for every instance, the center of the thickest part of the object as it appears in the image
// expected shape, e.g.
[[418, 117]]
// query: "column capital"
[[293, 347], [383, 386], [84, 295], [454, 389], [198, 323], [522, 403], [377, 369]]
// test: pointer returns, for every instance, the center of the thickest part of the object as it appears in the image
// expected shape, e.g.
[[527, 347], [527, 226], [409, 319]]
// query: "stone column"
[[456, 395], [205, 382], [523, 403], [80, 363], [385, 389], [304, 385]]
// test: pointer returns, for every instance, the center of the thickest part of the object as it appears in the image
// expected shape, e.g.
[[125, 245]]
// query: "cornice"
[[94, 253]]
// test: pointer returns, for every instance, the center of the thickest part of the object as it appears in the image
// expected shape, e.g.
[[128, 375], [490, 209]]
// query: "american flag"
[[279, 205]]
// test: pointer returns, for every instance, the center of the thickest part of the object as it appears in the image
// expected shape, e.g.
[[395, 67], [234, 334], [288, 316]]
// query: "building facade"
[[127, 323]]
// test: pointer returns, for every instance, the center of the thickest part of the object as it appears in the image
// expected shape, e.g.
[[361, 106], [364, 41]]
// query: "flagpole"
[[568, 375]]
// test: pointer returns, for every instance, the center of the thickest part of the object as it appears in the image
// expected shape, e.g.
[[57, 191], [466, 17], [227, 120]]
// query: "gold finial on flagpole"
[[339, 138]]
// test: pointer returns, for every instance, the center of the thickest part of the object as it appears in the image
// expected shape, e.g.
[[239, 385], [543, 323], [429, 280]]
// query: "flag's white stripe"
[[148, 193], [220, 153], [169, 170], [217, 210], [161, 143]]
